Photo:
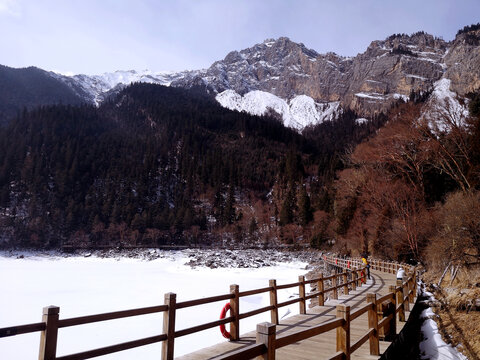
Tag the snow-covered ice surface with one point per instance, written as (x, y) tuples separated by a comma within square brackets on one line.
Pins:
[(299, 112), (433, 347), (90, 285)]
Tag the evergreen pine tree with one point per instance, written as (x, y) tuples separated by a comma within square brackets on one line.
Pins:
[(305, 212)]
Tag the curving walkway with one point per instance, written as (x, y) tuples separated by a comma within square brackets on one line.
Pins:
[(321, 346)]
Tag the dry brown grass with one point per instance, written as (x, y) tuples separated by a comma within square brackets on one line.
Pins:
[(458, 318), (459, 327)]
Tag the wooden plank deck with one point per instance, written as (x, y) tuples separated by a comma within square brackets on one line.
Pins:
[(321, 346)]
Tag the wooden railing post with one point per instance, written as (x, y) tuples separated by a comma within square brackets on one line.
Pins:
[(400, 295), (414, 281), (343, 332), (301, 292), (406, 290), (411, 296), (266, 334), (235, 311), (373, 324), (334, 285), (354, 278), (380, 313), (320, 288), (169, 326), (415, 284), (393, 321), (360, 277), (345, 282), (273, 301), (48, 337)]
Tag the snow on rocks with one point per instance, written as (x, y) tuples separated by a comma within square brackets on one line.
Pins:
[(299, 112), (249, 258), (433, 346), (443, 110)]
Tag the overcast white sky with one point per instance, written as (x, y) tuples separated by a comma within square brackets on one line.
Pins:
[(96, 36)]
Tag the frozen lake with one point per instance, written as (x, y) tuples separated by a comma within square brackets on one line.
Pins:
[(83, 286)]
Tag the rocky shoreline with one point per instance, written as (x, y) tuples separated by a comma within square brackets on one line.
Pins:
[(210, 258)]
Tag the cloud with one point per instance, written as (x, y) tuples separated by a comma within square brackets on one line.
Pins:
[(10, 8)]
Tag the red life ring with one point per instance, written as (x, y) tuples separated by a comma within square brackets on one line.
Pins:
[(223, 313), (348, 264), (336, 261)]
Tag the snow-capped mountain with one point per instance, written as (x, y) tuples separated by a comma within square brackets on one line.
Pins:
[(306, 87), (95, 88)]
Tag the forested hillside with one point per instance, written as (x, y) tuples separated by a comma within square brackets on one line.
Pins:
[(157, 165), (30, 87)]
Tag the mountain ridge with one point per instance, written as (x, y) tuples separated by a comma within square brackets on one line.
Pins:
[(369, 83)]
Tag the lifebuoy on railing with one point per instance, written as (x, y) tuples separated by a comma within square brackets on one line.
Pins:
[(223, 313)]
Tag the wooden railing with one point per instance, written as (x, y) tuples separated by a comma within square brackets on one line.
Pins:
[(353, 276), (382, 314)]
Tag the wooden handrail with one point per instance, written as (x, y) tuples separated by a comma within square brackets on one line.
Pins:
[(313, 295), (288, 302), (287, 286), (22, 329), (384, 298), (114, 348), (254, 291), (256, 312), (384, 321), (203, 301), (362, 340), (110, 316), (360, 311), (202, 327)]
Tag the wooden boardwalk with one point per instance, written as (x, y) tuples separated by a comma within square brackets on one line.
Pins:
[(321, 346)]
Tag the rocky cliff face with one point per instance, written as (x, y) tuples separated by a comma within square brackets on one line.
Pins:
[(463, 62), (392, 69), (368, 83)]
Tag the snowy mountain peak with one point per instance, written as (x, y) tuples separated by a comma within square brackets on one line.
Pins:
[(95, 88)]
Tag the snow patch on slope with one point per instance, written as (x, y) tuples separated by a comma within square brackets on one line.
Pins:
[(444, 112), (300, 112)]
